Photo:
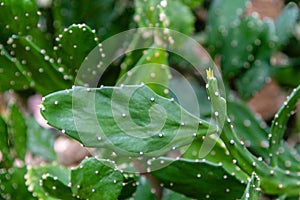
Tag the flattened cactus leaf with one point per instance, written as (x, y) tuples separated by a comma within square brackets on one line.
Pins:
[(148, 13), (143, 190), (171, 195), (152, 69), (94, 179), (130, 183), (265, 46), (164, 14), (254, 129), (36, 175), (199, 180), (108, 116), (56, 188), (11, 73), (40, 141), (221, 15), (74, 44), (249, 163), (192, 3), (39, 64), (286, 22), (249, 128), (288, 157), (17, 17), (184, 22), (245, 84), (13, 184), (287, 75), (239, 45), (18, 131), (4, 140), (252, 191), (219, 155)]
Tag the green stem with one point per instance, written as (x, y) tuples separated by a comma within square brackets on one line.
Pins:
[(273, 180), (279, 124)]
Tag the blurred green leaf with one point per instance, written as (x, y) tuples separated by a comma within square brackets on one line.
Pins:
[(184, 22), (154, 13), (238, 46), (221, 15), (107, 17), (18, 131), (287, 76), (40, 141), (286, 22), (4, 141), (245, 84), (13, 184), (193, 3)]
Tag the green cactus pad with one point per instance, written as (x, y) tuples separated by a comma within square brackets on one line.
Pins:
[(45, 73), (197, 179), (40, 140), (245, 84), (95, 180), (18, 131), (171, 195), (287, 75), (18, 17), (286, 22), (219, 155), (12, 74), (250, 129), (164, 14), (143, 190), (73, 45), (271, 178), (4, 141), (152, 69), (56, 188), (239, 44), (12, 184), (145, 122), (254, 132), (129, 184), (184, 23), (36, 175), (221, 16), (192, 3)]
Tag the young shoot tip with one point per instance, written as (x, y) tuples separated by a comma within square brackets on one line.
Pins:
[(210, 73)]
